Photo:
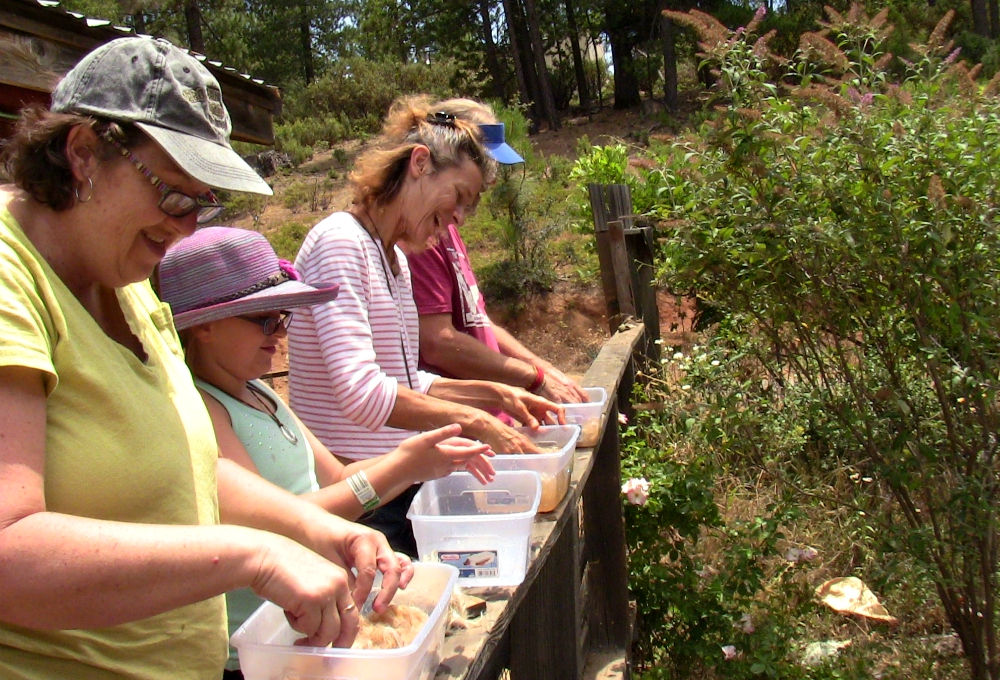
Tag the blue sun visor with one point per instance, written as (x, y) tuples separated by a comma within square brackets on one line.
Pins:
[(496, 145)]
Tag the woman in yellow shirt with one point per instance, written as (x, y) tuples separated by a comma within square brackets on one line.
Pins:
[(112, 556)]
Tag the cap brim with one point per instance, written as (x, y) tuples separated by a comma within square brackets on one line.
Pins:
[(503, 153), (215, 165), (288, 295)]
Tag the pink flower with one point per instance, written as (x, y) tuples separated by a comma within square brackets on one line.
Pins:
[(730, 653), (759, 14), (623, 419), (746, 624), (795, 555), (637, 490)]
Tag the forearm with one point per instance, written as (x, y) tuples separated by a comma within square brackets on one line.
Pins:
[(420, 412), (387, 475), (60, 571), (463, 356), (251, 501)]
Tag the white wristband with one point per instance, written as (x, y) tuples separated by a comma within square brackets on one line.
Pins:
[(363, 490)]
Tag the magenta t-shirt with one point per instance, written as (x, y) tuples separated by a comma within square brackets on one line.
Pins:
[(443, 283)]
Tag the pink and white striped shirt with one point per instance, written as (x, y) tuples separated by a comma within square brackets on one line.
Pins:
[(345, 357)]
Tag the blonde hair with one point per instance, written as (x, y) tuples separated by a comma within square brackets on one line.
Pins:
[(413, 121)]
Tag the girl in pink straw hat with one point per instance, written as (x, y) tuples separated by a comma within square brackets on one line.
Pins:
[(230, 295)]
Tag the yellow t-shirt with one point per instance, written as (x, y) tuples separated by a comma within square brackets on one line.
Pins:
[(125, 441)]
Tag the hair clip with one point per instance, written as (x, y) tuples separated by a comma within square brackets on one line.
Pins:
[(442, 118)]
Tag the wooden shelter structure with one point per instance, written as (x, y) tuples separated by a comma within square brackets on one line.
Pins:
[(40, 42)]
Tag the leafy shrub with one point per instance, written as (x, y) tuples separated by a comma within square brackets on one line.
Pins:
[(309, 193), (360, 91), (287, 239), (850, 233), (239, 203)]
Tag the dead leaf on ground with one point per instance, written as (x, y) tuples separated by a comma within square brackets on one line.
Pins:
[(849, 595)]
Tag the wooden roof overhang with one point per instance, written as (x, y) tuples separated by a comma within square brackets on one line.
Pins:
[(40, 42)]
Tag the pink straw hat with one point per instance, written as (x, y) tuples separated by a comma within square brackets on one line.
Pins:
[(221, 272)]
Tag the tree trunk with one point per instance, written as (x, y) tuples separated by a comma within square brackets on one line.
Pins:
[(305, 42), (544, 85), (509, 8), (626, 83), (994, 19), (598, 65), (669, 37), (581, 76), (980, 18), (192, 17), (492, 60)]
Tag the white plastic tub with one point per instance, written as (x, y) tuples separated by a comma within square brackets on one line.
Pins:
[(482, 530), (265, 641), (555, 468), (588, 415)]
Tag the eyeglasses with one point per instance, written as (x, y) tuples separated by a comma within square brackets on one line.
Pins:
[(271, 324), (173, 202)]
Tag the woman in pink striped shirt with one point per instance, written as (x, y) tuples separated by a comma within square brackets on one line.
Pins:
[(353, 369)]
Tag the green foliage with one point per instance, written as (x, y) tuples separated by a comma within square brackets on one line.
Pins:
[(239, 203), (357, 92), (287, 239), (704, 584), (311, 194), (850, 234)]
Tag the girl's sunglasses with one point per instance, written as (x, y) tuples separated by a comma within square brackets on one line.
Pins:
[(271, 324)]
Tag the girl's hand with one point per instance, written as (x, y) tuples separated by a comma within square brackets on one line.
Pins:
[(438, 453)]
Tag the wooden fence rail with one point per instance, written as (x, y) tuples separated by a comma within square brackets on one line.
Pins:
[(572, 609)]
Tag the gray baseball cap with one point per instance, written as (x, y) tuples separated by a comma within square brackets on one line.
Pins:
[(171, 97)]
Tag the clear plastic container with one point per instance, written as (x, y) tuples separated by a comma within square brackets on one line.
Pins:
[(554, 466), (484, 530), (588, 415), (265, 640)]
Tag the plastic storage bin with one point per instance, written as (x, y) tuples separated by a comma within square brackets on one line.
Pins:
[(265, 640), (482, 530), (555, 468), (588, 415)]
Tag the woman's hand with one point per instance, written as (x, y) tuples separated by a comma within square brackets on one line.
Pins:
[(560, 388), (365, 550), (315, 593), (437, 453), (528, 408)]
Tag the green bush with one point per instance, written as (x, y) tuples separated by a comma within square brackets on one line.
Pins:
[(848, 230), (360, 91), (287, 239), (850, 234)]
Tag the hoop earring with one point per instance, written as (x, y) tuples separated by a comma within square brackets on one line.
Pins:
[(76, 192)]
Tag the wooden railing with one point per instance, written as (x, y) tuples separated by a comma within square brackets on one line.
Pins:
[(570, 616)]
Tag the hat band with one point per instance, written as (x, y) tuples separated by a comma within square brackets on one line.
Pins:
[(270, 282)]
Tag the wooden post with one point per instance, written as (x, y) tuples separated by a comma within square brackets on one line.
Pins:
[(641, 244), (547, 624), (622, 272), (612, 204)]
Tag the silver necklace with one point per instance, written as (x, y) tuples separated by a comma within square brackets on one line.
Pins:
[(267, 407)]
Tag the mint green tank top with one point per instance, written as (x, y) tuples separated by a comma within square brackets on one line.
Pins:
[(291, 466)]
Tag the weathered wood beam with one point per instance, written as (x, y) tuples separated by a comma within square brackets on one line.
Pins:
[(38, 46)]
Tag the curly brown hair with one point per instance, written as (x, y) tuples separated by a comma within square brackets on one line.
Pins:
[(412, 121), (35, 157)]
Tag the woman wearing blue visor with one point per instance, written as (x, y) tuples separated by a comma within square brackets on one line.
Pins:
[(457, 337)]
